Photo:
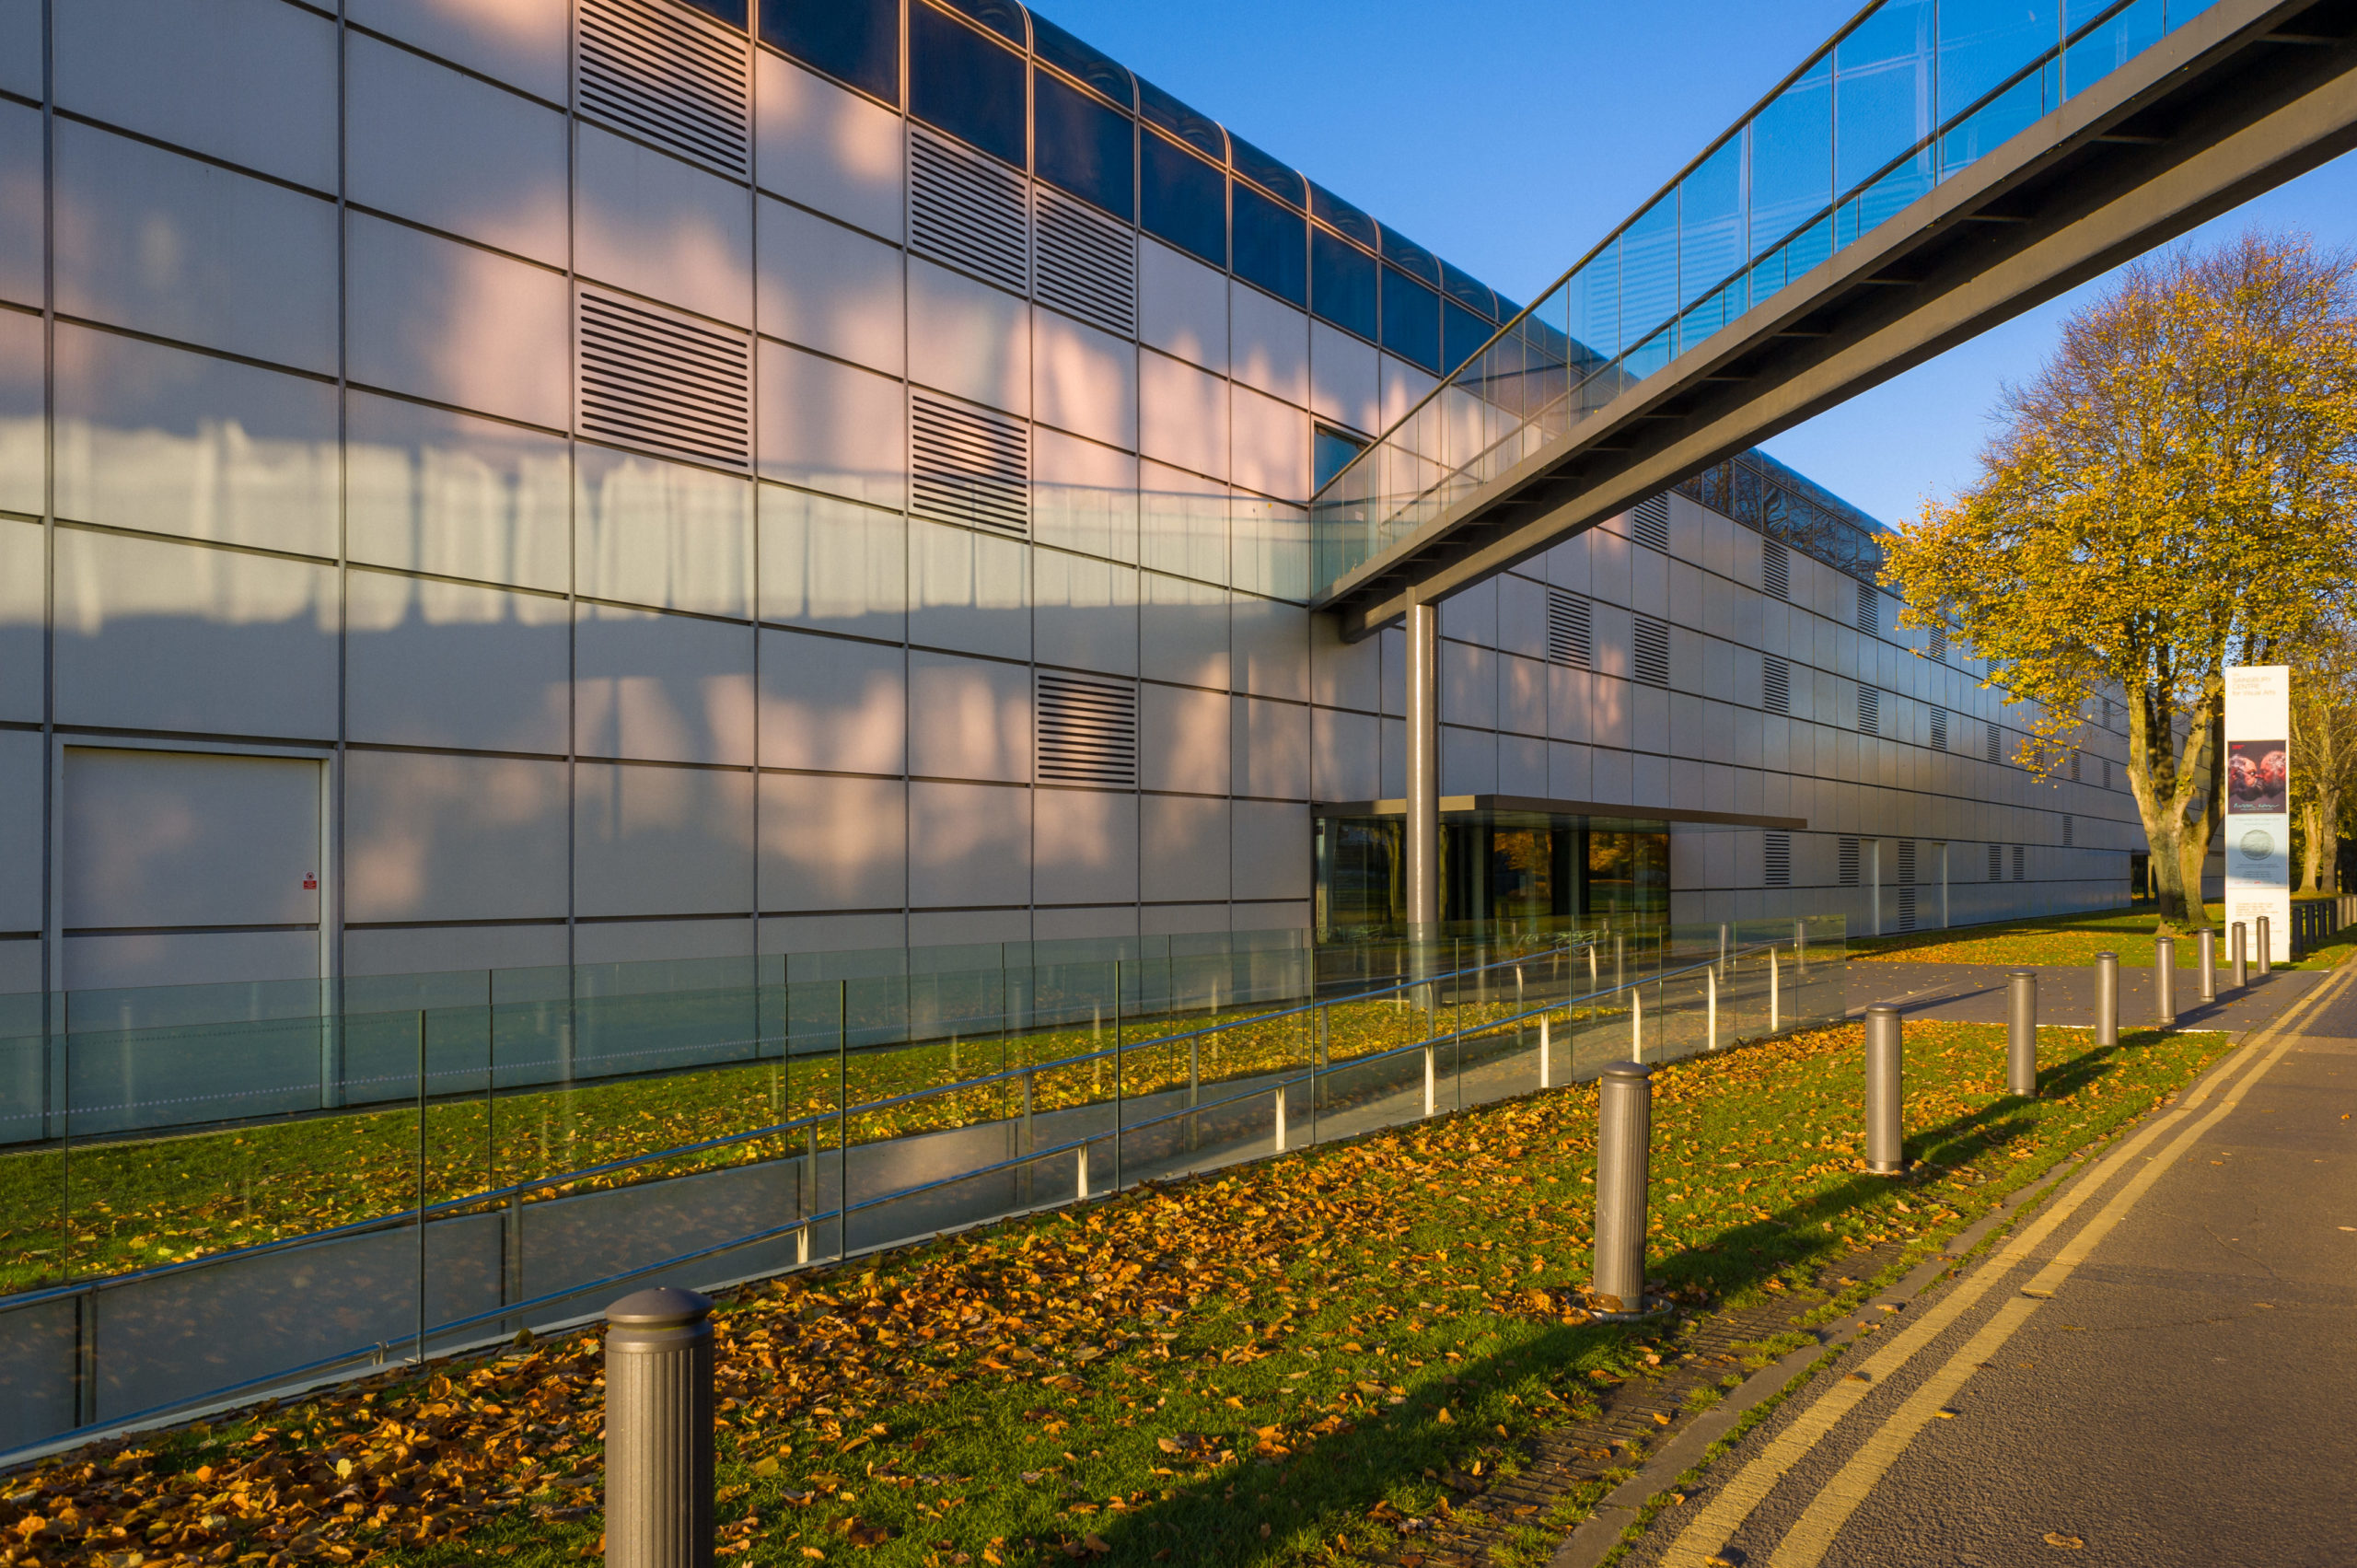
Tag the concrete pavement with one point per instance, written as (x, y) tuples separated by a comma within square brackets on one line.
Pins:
[(1975, 994), (2158, 1366)]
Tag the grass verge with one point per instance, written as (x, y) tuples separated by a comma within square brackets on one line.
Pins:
[(2070, 939), (1281, 1365)]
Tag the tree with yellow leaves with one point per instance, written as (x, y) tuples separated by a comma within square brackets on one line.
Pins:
[(2324, 752), (2174, 492)]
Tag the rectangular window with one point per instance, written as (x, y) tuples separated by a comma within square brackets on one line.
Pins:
[(856, 42), (1939, 729), (1848, 861), (965, 83), (1410, 257), (1197, 130), (1411, 321), (1267, 172), (1271, 245), (1331, 210), (1183, 199), (1462, 334), (1869, 710), (1082, 145), (1775, 685), (1341, 285), (1081, 61), (1471, 293), (730, 11), (1776, 860), (1650, 650), (1331, 452)]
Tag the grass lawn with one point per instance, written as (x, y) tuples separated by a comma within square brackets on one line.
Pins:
[(1278, 1364), (110, 1206), (2072, 939)]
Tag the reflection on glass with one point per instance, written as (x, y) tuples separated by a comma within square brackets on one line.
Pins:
[(1710, 208), (1882, 80), (1081, 145), (1183, 199), (1649, 270), (852, 41), (2108, 47), (1411, 320), (1985, 42), (1329, 449), (1079, 60), (1267, 172), (1527, 870), (1271, 245), (1341, 285), (963, 83)]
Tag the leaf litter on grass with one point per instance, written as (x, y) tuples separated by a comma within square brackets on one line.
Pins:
[(1251, 1367)]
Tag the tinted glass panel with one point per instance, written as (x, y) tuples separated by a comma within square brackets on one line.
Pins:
[(1002, 16), (1060, 49), (1186, 199), (1461, 333), (1411, 321), (1342, 284), (1404, 252), (730, 11), (965, 83), (852, 41), (1469, 292), (1271, 245), (1082, 144), (1329, 452), (1267, 172), (1197, 131), (1328, 208)]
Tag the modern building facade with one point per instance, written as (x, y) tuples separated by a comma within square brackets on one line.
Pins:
[(495, 482)]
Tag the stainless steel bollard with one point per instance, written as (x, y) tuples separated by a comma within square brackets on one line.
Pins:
[(2209, 965), (2107, 999), (2021, 1032), (1625, 1131), (2241, 946), (1885, 1092), (2266, 949), (658, 1431), (2165, 981)]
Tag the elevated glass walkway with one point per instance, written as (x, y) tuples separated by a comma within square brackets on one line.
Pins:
[(1907, 98)]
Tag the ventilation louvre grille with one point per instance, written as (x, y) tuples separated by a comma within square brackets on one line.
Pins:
[(1650, 651), (2078, 761), (1649, 524), (1939, 729), (2107, 772), (1996, 863), (2017, 863), (1906, 862), (1907, 908), (1869, 710), (1775, 570), (662, 72), (1775, 685), (1996, 744), (2070, 832), (1088, 731), (1869, 613), (1086, 265), (968, 467), (1776, 860), (967, 211), (1570, 634), (664, 383), (1940, 644), (1848, 861)]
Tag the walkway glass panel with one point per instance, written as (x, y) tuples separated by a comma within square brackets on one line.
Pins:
[(1907, 95)]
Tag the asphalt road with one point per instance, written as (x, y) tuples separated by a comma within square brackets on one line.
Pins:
[(2160, 1367)]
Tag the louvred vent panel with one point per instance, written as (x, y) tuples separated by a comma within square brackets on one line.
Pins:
[(1088, 730), (968, 211), (669, 74), (664, 382), (1085, 264), (969, 465)]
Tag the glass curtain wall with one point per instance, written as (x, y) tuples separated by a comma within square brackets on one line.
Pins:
[(1512, 869)]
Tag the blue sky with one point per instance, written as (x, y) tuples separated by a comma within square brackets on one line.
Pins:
[(1508, 135)]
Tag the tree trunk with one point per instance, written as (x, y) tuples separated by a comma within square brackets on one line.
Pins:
[(2311, 849), (2205, 754), (2153, 781)]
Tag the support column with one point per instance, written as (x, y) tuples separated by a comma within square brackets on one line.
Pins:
[(1423, 771)]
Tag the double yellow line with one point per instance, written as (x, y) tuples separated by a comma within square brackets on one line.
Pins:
[(1806, 1543)]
